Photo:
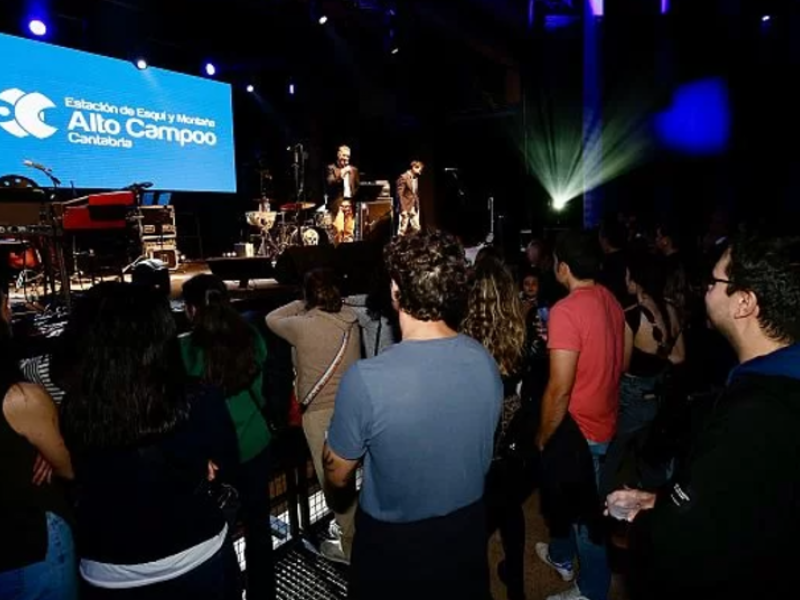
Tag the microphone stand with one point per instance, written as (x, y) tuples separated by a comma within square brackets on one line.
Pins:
[(301, 186), (56, 181), (490, 237), (56, 237), (299, 169)]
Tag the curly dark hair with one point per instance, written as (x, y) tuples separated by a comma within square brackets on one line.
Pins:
[(320, 290), (769, 267), (128, 385), (494, 315), (430, 271), (225, 339)]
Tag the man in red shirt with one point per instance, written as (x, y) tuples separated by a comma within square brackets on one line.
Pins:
[(586, 340)]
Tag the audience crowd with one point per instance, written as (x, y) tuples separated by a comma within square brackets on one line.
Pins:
[(593, 372)]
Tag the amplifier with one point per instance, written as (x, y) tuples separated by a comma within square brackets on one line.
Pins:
[(20, 213), (166, 252), (25, 230), (377, 211), (158, 220)]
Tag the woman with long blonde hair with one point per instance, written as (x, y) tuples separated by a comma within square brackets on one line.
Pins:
[(494, 317)]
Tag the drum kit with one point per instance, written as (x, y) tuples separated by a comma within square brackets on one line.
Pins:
[(293, 224)]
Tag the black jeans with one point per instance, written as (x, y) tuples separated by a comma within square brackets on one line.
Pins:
[(252, 481), (442, 557), (507, 485)]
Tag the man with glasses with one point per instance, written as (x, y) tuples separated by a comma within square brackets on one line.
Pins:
[(727, 525)]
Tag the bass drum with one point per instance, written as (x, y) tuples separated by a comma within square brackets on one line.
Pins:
[(314, 236)]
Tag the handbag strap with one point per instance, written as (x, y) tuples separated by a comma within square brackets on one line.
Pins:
[(378, 335), (315, 390)]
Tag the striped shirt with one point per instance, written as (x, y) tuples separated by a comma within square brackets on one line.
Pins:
[(37, 370)]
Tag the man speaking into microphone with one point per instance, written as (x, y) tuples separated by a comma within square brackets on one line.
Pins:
[(342, 185)]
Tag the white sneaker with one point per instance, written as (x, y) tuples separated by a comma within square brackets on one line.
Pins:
[(572, 593), (565, 570), (334, 531), (332, 550)]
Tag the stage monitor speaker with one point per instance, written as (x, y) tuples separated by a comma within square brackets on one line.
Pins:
[(296, 261), (378, 221), (242, 269), (358, 264), (355, 263)]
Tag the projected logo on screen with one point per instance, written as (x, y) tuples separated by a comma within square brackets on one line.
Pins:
[(90, 123), (101, 123), (27, 112)]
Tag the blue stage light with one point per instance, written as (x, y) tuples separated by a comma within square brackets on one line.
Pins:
[(37, 27), (699, 120)]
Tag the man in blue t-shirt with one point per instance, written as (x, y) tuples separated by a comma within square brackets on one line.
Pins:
[(422, 417)]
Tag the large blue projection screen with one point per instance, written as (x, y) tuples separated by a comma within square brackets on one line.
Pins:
[(102, 123)]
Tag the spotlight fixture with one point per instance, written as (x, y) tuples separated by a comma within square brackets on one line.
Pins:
[(291, 89), (37, 27), (559, 203), (765, 19), (395, 50), (211, 70), (251, 89), (323, 19), (141, 64)]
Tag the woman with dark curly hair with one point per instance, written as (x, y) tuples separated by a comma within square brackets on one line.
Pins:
[(494, 318)]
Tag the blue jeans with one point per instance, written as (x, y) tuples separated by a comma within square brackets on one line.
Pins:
[(594, 577), (638, 403), (54, 578), (638, 407)]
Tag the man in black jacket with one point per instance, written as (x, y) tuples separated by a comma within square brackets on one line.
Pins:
[(729, 522)]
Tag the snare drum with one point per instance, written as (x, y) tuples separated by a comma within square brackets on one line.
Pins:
[(323, 219)]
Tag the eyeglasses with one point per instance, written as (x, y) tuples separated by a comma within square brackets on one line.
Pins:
[(712, 281)]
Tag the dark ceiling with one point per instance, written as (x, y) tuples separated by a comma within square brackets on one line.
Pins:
[(247, 36), (454, 56)]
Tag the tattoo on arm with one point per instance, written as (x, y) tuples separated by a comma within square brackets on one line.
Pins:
[(329, 465), (328, 461)]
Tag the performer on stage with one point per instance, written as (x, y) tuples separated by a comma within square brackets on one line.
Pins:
[(408, 195), (342, 184)]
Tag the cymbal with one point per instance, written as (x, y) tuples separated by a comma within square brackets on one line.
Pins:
[(297, 206)]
